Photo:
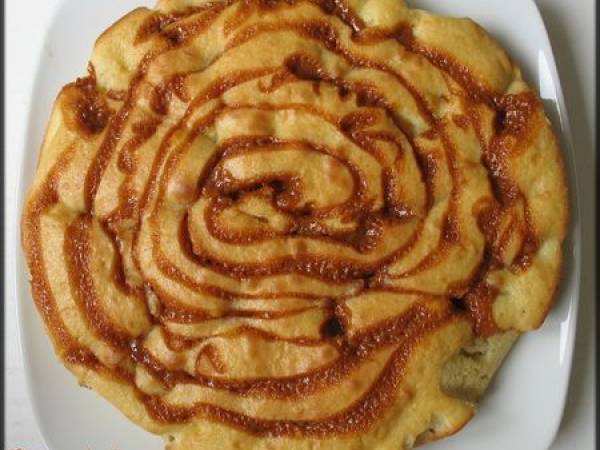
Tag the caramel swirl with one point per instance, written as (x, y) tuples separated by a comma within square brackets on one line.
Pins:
[(280, 209)]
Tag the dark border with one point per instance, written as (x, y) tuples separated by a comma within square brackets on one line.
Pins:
[(597, 203), (2, 214)]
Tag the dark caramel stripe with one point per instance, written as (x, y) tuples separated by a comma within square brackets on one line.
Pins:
[(31, 239), (155, 24), (77, 256), (475, 88), (116, 126), (337, 8), (325, 268), (358, 418), (325, 33), (354, 351)]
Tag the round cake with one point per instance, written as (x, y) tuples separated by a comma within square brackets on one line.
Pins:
[(293, 225)]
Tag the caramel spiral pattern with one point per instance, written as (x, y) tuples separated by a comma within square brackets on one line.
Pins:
[(266, 215)]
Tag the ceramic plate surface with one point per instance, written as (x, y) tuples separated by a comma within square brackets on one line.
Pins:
[(523, 408)]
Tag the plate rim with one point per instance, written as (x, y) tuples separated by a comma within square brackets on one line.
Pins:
[(570, 163)]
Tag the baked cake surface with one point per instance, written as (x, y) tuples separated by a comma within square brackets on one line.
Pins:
[(315, 224)]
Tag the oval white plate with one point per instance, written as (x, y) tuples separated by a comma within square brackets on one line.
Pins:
[(523, 408)]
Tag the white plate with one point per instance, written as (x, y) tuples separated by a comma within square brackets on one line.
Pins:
[(523, 408)]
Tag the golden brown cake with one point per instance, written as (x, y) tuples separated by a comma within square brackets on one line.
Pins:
[(293, 225)]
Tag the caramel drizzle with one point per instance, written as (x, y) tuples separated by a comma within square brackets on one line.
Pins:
[(77, 251), (403, 332), (360, 416), (353, 351)]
